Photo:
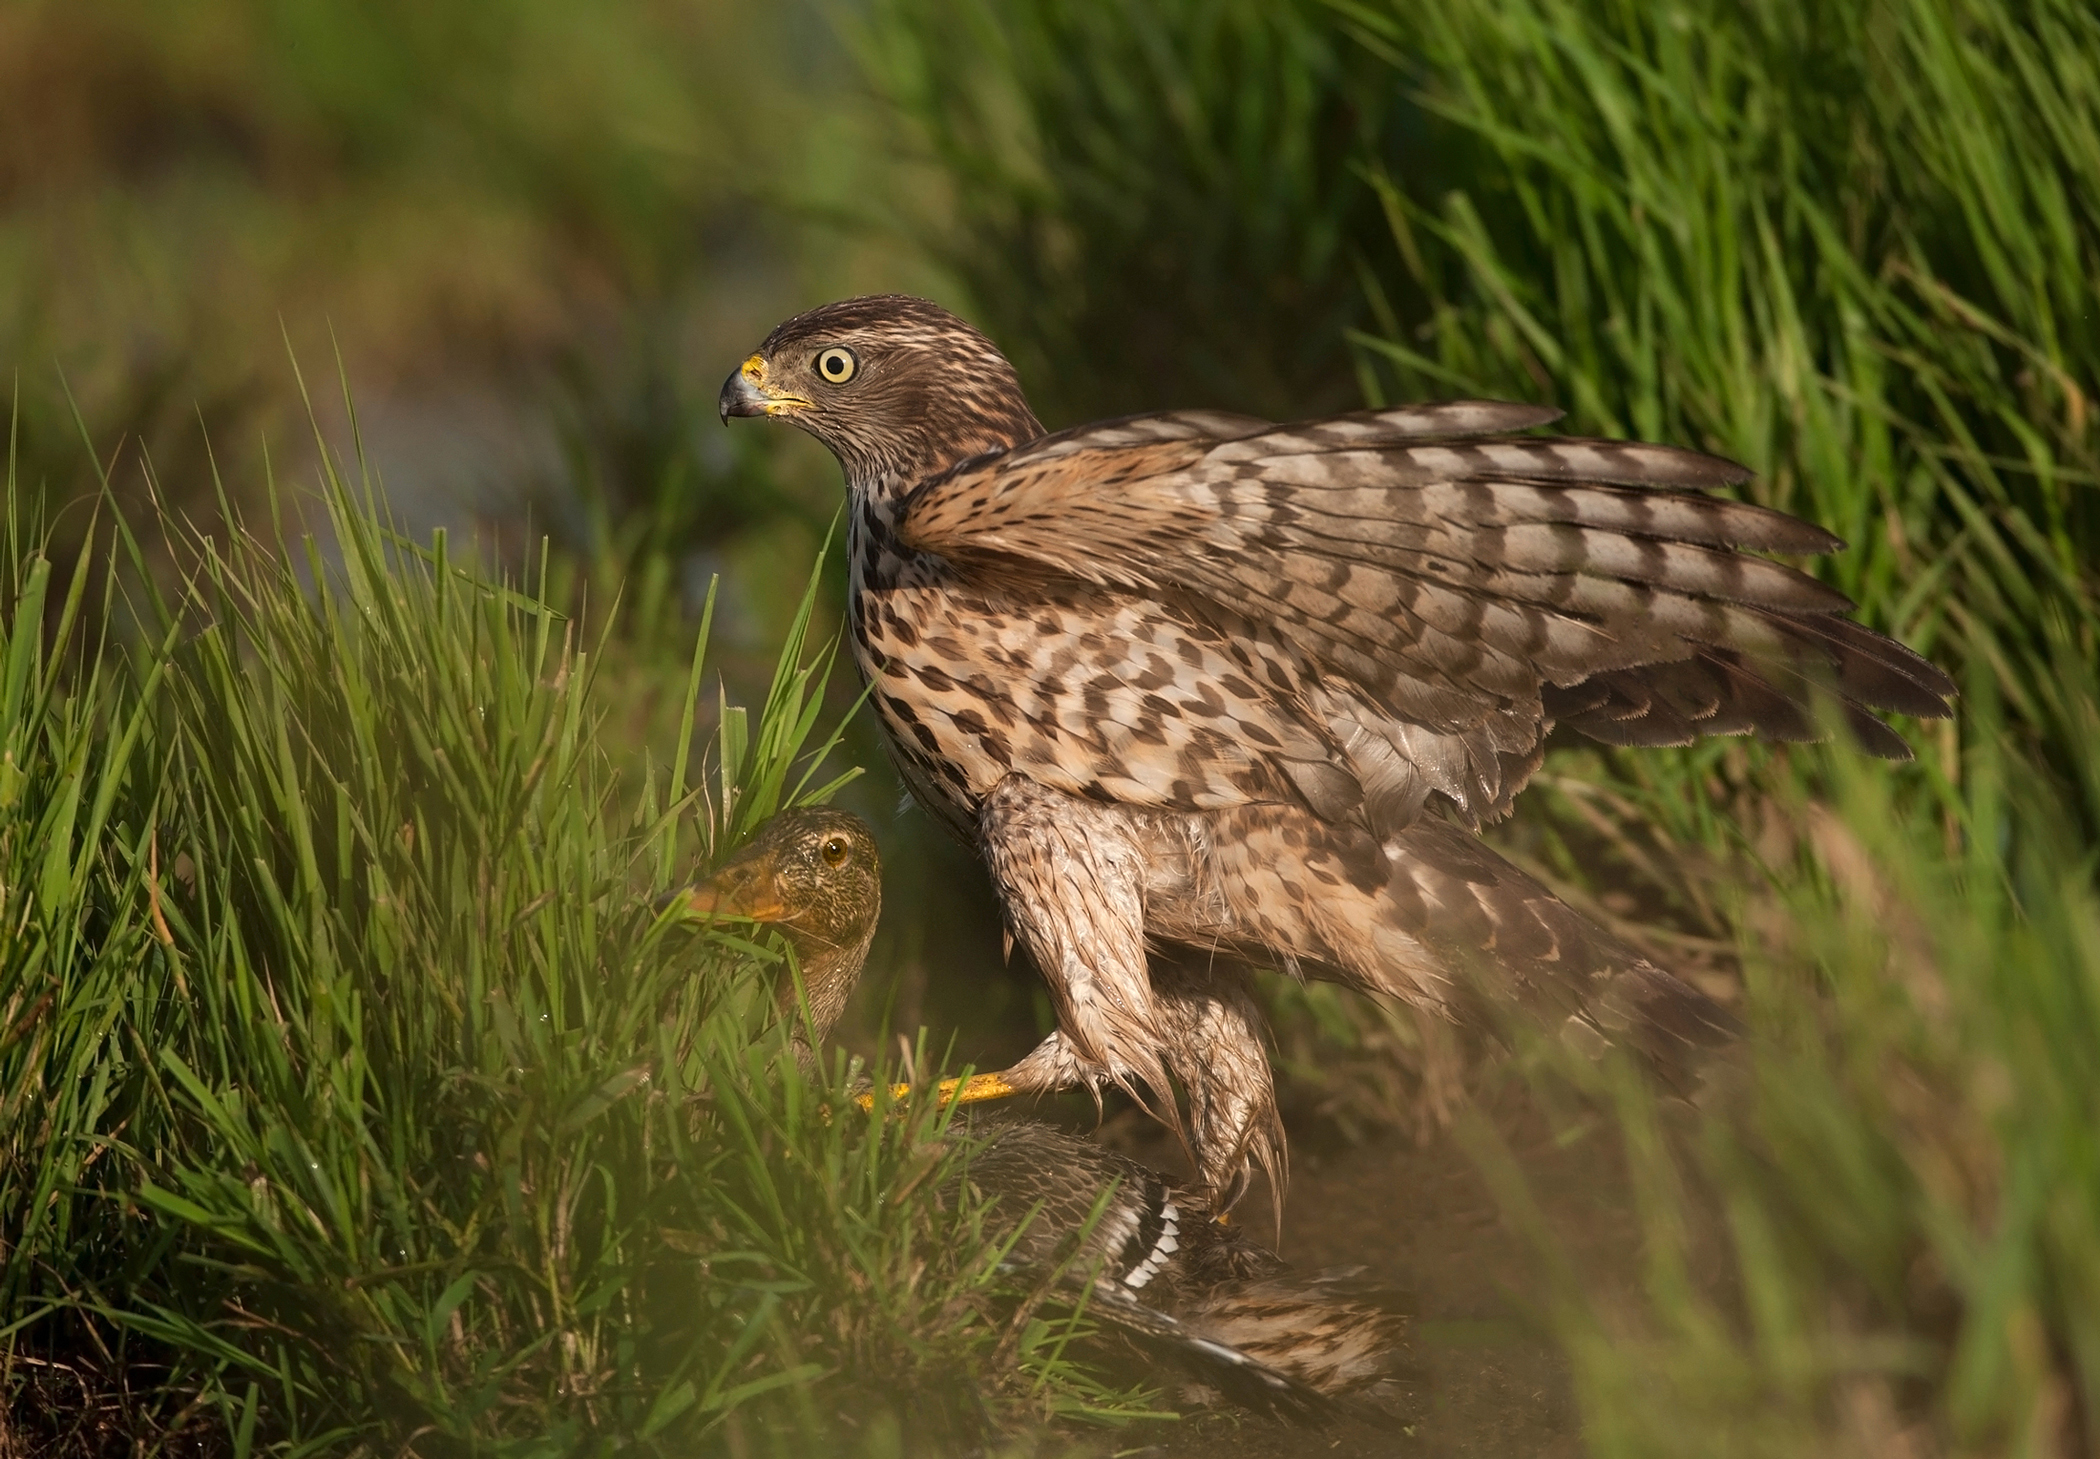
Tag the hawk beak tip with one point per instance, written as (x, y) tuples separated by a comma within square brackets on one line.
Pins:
[(740, 397)]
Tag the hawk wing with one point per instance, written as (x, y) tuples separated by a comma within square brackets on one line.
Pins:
[(1448, 590)]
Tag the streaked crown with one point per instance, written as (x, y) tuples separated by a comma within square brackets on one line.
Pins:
[(898, 388)]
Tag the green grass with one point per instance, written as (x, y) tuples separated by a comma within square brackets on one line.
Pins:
[(1883, 1232), (1768, 236), (358, 1099), (1172, 222)]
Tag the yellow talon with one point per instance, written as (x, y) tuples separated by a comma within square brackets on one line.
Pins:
[(979, 1087), (976, 1088)]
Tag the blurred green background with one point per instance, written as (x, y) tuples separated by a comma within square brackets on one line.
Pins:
[(1852, 245), (534, 236)]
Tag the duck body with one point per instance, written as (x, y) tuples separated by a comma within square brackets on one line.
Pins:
[(1185, 1286), (1141, 1250)]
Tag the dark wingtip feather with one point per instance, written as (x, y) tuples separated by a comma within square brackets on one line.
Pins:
[(1677, 1011), (1632, 463), (1872, 668), (1805, 539), (1876, 738)]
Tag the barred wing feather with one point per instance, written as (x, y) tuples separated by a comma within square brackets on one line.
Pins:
[(1438, 573)]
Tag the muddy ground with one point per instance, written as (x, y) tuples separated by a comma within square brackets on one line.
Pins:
[(1421, 1218)]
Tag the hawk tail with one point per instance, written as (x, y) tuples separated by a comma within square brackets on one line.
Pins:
[(1433, 916)]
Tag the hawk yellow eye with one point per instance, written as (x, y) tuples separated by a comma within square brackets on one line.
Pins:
[(833, 850), (837, 364)]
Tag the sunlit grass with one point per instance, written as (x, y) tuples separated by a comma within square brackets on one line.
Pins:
[(1879, 1230), (1762, 234), (359, 1097)]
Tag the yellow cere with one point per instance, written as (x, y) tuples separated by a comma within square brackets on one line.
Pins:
[(754, 370)]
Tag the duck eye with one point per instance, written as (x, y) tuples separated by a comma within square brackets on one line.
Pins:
[(833, 851), (837, 364)]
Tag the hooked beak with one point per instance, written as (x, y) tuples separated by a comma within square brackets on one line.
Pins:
[(743, 888), (745, 393)]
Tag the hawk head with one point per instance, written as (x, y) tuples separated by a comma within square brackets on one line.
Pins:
[(899, 389)]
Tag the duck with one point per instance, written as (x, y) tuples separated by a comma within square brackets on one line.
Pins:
[(1141, 1247)]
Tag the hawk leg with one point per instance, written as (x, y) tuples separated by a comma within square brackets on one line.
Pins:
[(1216, 1052), (1214, 1049), (1074, 878), (1071, 877)]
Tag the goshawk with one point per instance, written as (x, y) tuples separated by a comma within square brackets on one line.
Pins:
[(1207, 690)]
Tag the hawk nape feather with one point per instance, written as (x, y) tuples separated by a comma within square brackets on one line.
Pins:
[(1237, 692)]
